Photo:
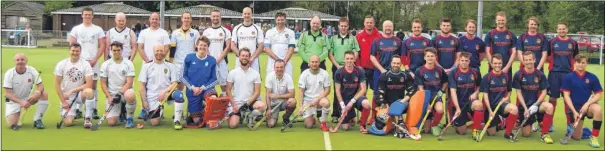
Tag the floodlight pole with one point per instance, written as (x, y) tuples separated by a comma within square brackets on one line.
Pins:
[(479, 18), (162, 14), (601, 54)]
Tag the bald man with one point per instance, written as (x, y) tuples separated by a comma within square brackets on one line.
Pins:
[(18, 84), (314, 85), (155, 79), (248, 35), (382, 51), (314, 42), (150, 37), (124, 35)]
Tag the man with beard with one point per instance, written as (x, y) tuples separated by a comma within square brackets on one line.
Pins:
[(414, 46), (243, 87), (220, 44), (365, 38)]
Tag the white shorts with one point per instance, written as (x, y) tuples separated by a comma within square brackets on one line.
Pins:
[(312, 110), (221, 73), (254, 66), (96, 72), (116, 109), (11, 108), (270, 63), (179, 69), (72, 110), (282, 107)]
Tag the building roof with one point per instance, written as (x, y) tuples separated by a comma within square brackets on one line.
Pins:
[(203, 11), (28, 6), (296, 13), (107, 9)]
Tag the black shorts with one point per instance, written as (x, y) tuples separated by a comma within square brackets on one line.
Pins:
[(466, 114), (578, 107), (499, 113), (369, 76), (352, 114), (156, 114), (532, 119)]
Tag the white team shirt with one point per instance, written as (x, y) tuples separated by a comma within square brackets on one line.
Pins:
[(313, 84), (184, 42), (279, 41), (218, 37), (74, 74), (21, 84), (157, 77), (279, 86), (88, 38), (150, 38), (243, 83), (247, 36), (116, 74), (123, 37)]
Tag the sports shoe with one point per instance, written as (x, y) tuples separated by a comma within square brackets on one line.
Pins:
[(78, 114), (435, 130), (535, 127), (129, 123), (87, 123), (324, 126), (251, 122), (546, 139), (509, 137), (177, 125), (594, 142), (334, 119), (142, 114), (362, 129), (475, 134), (95, 115), (38, 124), (15, 127)]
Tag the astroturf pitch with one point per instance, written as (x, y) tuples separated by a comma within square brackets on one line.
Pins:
[(165, 137)]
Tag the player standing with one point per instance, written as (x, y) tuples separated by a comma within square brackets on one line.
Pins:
[(314, 85), (312, 43), (279, 87), (501, 41), (472, 44), (199, 71), (341, 43), (350, 90), (365, 38), (117, 76), (92, 40), (156, 78), (383, 50), (148, 39), (18, 84), (73, 78), (433, 78), (124, 35), (279, 43), (220, 44), (243, 86), (447, 46), (414, 46), (464, 85), (496, 87), (248, 35), (530, 84), (534, 42)]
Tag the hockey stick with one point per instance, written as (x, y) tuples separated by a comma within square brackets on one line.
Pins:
[(340, 120), (449, 124), (403, 128), (22, 116), (429, 110), (148, 117), (516, 135), (96, 126), (283, 128), (265, 117), (565, 140), (491, 118), (69, 109)]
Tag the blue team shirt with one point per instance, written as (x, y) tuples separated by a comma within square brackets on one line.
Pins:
[(447, 47), (430, 79), (413, 49), (562, 53), (496, 86), (384, 49), (475, 46), (531, 84), (200, 72), (580, 87), (465, 83), (535, 43), (349, 82), (501, 42)]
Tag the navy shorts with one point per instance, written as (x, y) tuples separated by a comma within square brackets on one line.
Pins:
[(532, 119), (499, 113), (374, 84), (555, 79), (578, 107), (466, 114), (351, 113)]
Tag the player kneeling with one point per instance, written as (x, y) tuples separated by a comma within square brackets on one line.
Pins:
[(582, 90), (531, 85), (350, 87), (279, 87), (243, 87), (158, 79), (117, 75), (464, 83), (314, 85)]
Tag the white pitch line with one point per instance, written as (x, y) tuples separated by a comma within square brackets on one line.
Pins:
[(327, 141)]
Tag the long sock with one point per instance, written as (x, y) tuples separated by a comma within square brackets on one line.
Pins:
[(478, 118), (546, 123), (289, 111), (41, 109), (436, 119), (255, 113), (95, 99), (567, 116), (178, 111), (130, 109), (510, 122), (324, 114), (365, 113), (596, 127), (89, 107), (78, 106)]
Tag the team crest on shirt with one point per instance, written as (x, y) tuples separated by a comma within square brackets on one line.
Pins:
[(390, 79), (436, 75), (253, 33), (440, 42), (587, 81), (495, 36), (29, 80), (423, 43), (507, 36), (125, 36), (363, 40), (556, 45), (191, 34), (452, 42), (476, 47), (473, 77), (426, 76), (165, 70), (206, 64), (526, 41), (395, 43), (401, 79), (93, 36), (504, 81), (524, 80), (124, 72), (355, 79), (538, 41), (536, 79), (287, 35), (493, 82), (569, 46), (220, 35)]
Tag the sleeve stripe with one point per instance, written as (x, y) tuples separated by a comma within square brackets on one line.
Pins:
[(564, 90), (597, 92)]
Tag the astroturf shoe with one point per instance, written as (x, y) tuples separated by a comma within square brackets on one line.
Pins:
[(78, 114), (475, 134), (87, 123), (38, 124), (95, 115), (324, 126), (15, 127), (142, 114), (129, 123), (334, 119), (509, 137), (177, 125), (546, 139), (435, 130), (594, 142)]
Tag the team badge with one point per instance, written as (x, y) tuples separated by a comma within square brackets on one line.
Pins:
[(495, 36), (426, 76), (452, 42), (193, 63), (503, 81), (165, 70), (125, 36), (344, 79), (412, 44), (124, 72), (253, 33), (29, 80), (206, 64), (569, 46), (538, 41), (473, 77), (191, 34), (424, 43), (364, 40), (476, 47), (556, 45), (93, 37), (390, 79), (493, 82), (526, 41), (401, 79), (587, 81), (220, 34), (536, 79), (524, 80), (440, 42), (287, 35), (507, 36)]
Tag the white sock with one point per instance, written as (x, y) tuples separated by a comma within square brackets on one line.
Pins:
[(324, 114), (78, 106), (41, 109), (89, 106), (255, 113), (178, 111), (95, 99), (130, 109)]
